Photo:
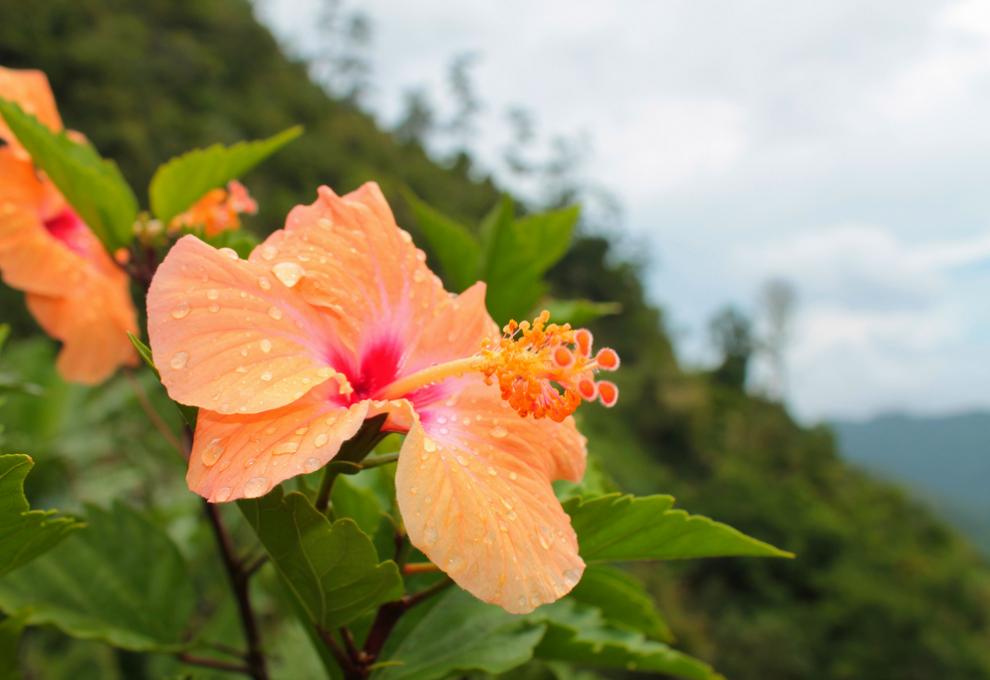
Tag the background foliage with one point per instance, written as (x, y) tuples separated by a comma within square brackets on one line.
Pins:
[(880, 589)]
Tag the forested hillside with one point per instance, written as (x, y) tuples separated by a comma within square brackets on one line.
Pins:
[(879, 589), (945, 459)]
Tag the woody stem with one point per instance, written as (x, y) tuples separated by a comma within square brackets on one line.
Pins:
[(430, 375)]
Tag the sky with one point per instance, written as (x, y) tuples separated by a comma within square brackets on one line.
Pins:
[(843, 146)]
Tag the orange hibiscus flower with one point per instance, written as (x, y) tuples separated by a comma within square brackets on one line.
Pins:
[(336, 319), (74, 290), (218, 210)]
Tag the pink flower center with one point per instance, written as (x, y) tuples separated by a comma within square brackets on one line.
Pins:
[(68, 229)]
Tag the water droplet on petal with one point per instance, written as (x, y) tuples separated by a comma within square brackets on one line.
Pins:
[(429, 445), (213, 294), (181, 311), (419, 276), (275, 313), (266, 345), (462, 460), (302, 430), (222, 494), (264, 283), (179, 360), (498, 432), (284, 448), (431, 535), (311, 465), (214, 308), (513, 476), (453, 563), (211, 454), (266, 376), (571, 577), (321, 440), (521, 601), (288, 273), (492, 471), (324, 222), (268, 252), (256, 486)]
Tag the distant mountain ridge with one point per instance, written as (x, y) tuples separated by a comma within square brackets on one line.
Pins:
[(945, 459)]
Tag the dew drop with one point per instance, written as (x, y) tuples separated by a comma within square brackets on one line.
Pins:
[(284, 448), (405, 235), (179, 360), (513, 476), (311, 465), (413, 490), (275, 313), (214, 308), (521, 601), (288, 273), (268, 252), (241, 369), (498, 432), (256, 486), (571, 577), (181, 311), (264, 283), (431, 535), (419, 276), (321, 440), (213, 294), (266, 376), (324, 222), (453, 563), (211, 454), (302, 430), (222, 494), (462, 460), (492, 471), (429, 445), (266, 345)]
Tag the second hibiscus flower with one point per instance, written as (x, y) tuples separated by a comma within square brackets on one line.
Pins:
[(335, 319)]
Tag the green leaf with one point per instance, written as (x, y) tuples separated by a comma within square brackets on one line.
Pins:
[(622, 600), (518, 253), (618, 527), (25, 533), (579, 634), (93, 186), (360, 505), (120, 580), (10, 637), (457, 251), (143, 351), (185, 179), (579, 312), (333, 570), (461, 634)]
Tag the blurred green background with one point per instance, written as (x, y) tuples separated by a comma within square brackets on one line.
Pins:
[(881, 588)]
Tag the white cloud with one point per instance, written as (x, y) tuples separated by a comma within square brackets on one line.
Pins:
[(732, 132)]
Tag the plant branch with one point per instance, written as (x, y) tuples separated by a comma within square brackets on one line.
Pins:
[(389, 615), (239, 582), (152, 414), (214, 664)]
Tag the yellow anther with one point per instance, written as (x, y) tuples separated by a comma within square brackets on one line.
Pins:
[(545, 369)]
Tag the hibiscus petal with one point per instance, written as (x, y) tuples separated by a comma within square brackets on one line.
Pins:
[(30, 259), (348, 256), (244, 456), (228, 336), (474, 487), (457, 328), (29, 89)]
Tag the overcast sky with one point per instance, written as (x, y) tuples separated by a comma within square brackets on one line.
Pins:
[(842, 145)]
